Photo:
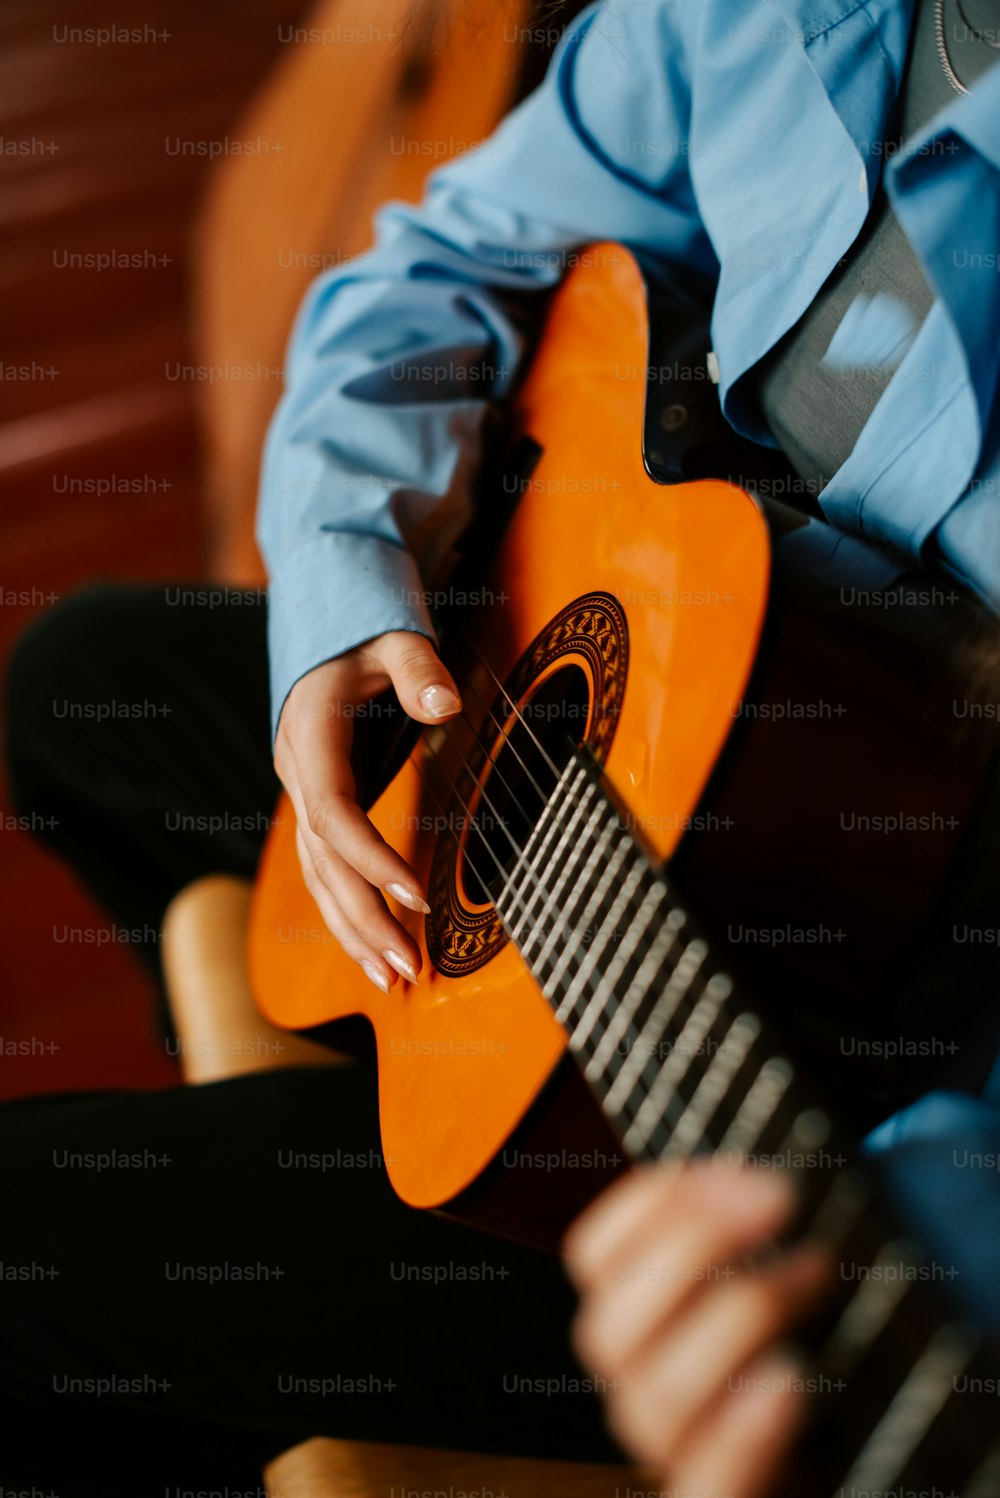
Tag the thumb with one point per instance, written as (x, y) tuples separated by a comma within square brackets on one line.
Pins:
[(425, 689)]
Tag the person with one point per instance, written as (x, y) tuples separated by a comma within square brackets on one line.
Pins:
[(689, 1318), (824, 175), (197, 1279)]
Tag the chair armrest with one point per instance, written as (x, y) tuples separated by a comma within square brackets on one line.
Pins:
[(220, 1031), (323, 1468)]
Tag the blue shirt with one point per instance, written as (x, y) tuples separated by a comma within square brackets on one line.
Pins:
[(743, 144), (740, 142)]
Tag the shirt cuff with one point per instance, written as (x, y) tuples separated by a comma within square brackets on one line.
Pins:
[(332, 594)]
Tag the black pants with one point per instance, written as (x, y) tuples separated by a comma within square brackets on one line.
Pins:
[(137, 723), (192, 1295)]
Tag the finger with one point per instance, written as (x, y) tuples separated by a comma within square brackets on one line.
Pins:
[(743, 1441), (426, 691), (650, 1201), (598, 1233), (313, 762), (675, 1379), (364, 911), (321, 787), (375, 968), (321, 708), (670, 1257)]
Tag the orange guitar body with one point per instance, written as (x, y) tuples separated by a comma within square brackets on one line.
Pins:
[(682, 572)]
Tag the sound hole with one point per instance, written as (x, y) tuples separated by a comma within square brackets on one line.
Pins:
[(550, 726)]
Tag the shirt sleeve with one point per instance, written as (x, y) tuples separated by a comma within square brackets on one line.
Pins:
[(939, 1161), (370, 458)]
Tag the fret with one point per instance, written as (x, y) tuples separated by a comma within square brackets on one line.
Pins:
[(545, 829), (540, 887), (661, 949), (693, 1123), (872, 1305), (605, 990), (582, 860), (568, 829), (826, 1205), (809, 1131), (596, 949), (763, 1098), (593, 904), (916, 1405), (661, 1094), (985, 1481), (688, 965), (841, 1208), (551, 824)]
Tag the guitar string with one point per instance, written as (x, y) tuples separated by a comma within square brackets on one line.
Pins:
[(518, 850), (507, 881), (469, 640), (591, 991), (703, 1133), (543, 798), (495, 764), (593, 980), (507, 884), (638, 1093)]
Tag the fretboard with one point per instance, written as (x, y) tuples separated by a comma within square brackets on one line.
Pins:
[(682, 1064)]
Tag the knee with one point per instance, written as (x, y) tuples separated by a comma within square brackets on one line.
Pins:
[(59, 659)]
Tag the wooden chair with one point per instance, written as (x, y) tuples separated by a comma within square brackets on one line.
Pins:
[(219, 1030), (362, 1469)]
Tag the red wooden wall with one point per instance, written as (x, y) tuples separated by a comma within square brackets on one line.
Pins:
[(91, 168)]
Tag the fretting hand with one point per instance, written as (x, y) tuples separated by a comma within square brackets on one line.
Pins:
[(683, 1326)]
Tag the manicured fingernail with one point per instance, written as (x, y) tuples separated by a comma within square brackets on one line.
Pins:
[(407, 897), (376, 975), (440, 702), (396, 960)]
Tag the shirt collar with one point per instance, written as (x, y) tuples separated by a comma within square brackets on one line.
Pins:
[(977, 118), (858, 50), (856, 63), (946, 168), (889, 19)]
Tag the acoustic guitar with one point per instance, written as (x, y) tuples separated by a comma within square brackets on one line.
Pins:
[(665, 692)]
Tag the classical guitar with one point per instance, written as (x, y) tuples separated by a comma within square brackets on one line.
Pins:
[(657, 699)]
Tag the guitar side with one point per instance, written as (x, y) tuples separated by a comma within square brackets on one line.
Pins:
[(462, 1054)]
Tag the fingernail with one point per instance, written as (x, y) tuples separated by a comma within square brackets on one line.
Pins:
[(396, 960), (440, 702), (376, 975), (407, 897)]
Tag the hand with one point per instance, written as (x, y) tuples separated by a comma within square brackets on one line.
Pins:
[(679, 1321), (345, 862)]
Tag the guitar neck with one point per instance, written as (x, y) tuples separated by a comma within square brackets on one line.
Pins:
[(681, 1064)]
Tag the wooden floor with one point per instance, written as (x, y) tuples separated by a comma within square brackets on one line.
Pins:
[(104, 146)]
